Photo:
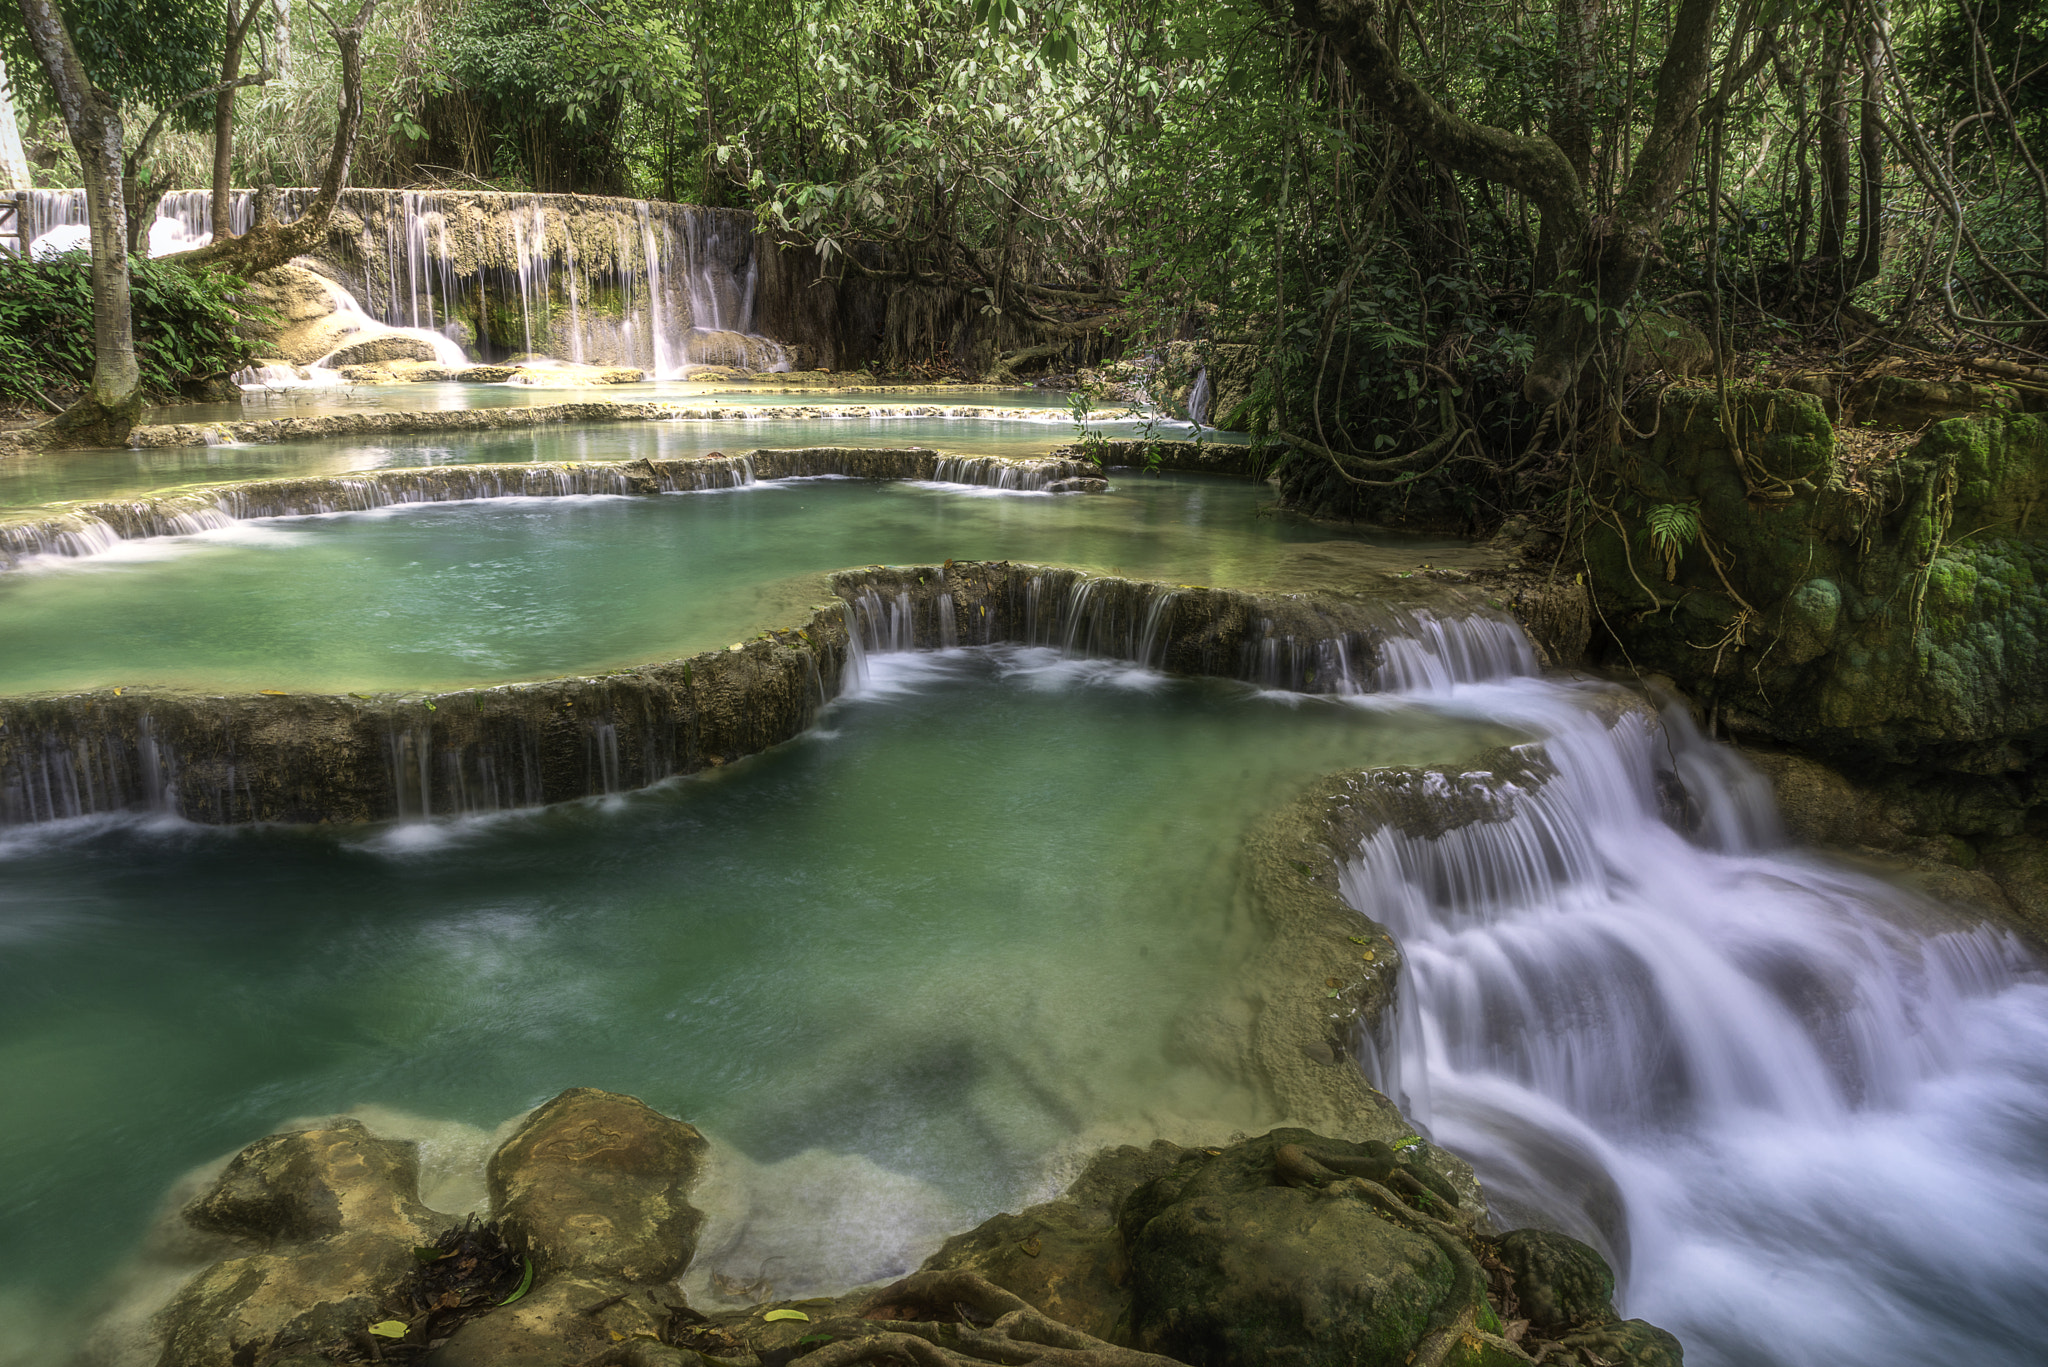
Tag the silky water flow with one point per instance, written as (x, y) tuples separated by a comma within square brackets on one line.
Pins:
[(1800, 1109)]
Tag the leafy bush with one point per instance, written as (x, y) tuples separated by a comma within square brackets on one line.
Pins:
[(185, 328)]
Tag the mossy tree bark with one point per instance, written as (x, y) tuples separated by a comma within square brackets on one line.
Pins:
[(1596, 260), (111, 403)]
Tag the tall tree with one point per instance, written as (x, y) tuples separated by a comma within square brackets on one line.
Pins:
[(92, 118)]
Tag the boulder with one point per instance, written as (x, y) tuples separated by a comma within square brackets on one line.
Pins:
[(240, 1310), (597, 1183), (309, 1184), (1624, 1343), (1229, 1266), (736, 350), (387, 347), (1659, 341), (1558, 1282), (336, 1213)]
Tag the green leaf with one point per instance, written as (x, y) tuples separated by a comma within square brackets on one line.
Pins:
[(787, 1314), (389, 1329), (1406, 1141), (525, 1285)]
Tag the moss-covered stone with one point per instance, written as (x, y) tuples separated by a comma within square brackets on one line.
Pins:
[(1231, 1267)]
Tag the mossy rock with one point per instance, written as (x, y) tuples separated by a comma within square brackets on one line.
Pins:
[(1229, 1267)]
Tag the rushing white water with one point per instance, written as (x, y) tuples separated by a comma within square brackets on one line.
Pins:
[(1803, 1111)]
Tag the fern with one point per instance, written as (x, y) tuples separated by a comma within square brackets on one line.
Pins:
[(1672, 528)]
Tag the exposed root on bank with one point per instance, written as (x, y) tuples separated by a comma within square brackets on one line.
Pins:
[(1374, 1178)]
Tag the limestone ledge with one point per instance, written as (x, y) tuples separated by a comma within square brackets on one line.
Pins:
[(270, 431), (308, 757)]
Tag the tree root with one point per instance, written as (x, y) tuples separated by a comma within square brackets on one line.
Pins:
[(1366, 1177), (1015, 1333)]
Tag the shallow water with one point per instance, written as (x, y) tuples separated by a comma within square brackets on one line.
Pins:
[(440, 595), (902, 961), (29, 481)]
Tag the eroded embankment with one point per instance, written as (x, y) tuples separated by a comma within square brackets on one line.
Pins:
[(86, 528), (224, 758)]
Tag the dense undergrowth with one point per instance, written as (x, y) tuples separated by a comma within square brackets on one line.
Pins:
[(186, 330)]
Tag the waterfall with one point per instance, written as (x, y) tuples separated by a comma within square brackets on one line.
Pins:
[(1789, 1101), (1198, 399), (613, 282)]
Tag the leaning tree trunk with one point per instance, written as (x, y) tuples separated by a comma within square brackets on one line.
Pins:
[(269, 243), (113, 400)]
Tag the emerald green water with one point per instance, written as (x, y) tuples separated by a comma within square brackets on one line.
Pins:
[(29, 481), (441, 595), (891, 968)]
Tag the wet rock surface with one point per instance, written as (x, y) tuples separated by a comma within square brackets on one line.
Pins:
[(599, 1183), (334, 1214), (1230, 1266), (1066, 1256), (1875, 602), (308, 1184)]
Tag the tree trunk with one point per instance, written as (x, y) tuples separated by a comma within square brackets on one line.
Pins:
[(1870, 163), (269, 243), (113, 400), (224, 125), (1571, 118), (1835, 190)]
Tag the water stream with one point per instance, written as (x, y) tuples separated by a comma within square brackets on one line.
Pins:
[(901, 966), (612, 281), (1804, 1112)]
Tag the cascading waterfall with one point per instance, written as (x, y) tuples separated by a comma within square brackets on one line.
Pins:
[(1198, 399), (615, 282), (1126, 620), (1800, 1110)]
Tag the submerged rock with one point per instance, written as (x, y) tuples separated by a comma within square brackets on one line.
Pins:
[(598, 1183), (567, 1320), (242, 1310)]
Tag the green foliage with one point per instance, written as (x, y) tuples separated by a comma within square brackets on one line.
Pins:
[(146, 52), (185, 327), (1671, 528)]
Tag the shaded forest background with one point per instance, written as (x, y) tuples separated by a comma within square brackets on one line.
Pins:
[(1440, 245)]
